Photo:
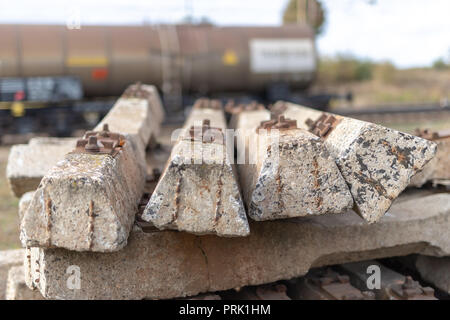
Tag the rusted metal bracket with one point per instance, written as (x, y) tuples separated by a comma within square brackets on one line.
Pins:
[(100, 142), (412, 290), (205, 103), (330, 285), (205, 133), (233, 108), (278, 122), (323, 125)]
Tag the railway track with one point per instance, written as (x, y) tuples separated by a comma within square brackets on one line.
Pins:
[(398, 114), (341, 282)]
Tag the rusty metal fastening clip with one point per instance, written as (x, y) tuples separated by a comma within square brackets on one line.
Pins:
[(102, 142), (412, 289), (206, 133), (278, 122), (323, 125)]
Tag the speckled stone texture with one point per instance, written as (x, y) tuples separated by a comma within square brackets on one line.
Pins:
[(438, 169), (17, 289), (376, 162), (8, 259), (435, 270), (198, 192), (291, 175), (28, 163), (166, 264)]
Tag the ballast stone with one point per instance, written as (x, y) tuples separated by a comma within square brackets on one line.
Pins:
[(275, 250), (376, 162), (102, 192)]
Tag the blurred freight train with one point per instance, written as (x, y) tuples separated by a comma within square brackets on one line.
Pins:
[(54, 77)]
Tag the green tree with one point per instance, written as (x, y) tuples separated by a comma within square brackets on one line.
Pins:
[(305, 11), (439, 64)]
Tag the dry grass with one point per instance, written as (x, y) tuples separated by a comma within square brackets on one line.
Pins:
[(9, 221), (388, 85)]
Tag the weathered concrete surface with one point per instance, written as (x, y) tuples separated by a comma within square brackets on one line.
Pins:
[(137, 115), (166, 264), (103, 193), (287, 173), (28, 163), (435, 270), (24, 203), (16, 287), (438, 169), (8, 259), (198, 191), (376, 162)]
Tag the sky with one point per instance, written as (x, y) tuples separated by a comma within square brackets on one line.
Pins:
[(408, 33)]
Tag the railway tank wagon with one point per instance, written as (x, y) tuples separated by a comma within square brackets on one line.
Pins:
[(194, 58)]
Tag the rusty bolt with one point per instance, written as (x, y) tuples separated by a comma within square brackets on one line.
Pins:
[(105, 131), (92, 145)]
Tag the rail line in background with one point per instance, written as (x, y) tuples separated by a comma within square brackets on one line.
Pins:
[(384, 114), (396, 113)]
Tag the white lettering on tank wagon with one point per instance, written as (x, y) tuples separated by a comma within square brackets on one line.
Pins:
[(282, 55)]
